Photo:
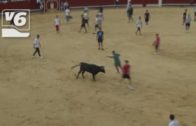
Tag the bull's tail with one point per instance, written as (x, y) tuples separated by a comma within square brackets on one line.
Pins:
[(74, 66)]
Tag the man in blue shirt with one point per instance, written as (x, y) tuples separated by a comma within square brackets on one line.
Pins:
[(100, 35)]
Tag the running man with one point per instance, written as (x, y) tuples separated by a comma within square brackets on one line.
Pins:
[(117, 62), (139, 25), (100, 35), (126, 70), (57, 23), (156, 43), (146, 17), (173, 122), (37, 46)]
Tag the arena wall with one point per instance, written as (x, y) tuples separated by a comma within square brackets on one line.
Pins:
[(107, 2), (31, 4)]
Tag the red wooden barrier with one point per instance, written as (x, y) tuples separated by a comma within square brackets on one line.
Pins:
[(31, 4), (178, 1)]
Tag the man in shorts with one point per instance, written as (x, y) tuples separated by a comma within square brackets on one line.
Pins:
[(139, 25), (126, 73), (100, 35), (156, 43), (117, 62), (57, 23)]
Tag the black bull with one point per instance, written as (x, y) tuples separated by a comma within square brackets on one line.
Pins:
[(91, 68)]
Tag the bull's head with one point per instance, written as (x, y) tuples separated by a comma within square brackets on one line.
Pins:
[(102, 69)]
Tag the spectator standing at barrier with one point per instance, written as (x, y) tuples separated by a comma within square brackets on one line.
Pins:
[(129, 11), (139, 25), (57, 23), (117, 3), (128, 1), (173, 121), (184, 16), (156, 42), (65, 5), (117, 62), (37, 46), (100, 37), (188, 22), (146, 17), (101, 9)]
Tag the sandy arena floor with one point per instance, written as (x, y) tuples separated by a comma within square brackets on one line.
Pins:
[(44, 92)]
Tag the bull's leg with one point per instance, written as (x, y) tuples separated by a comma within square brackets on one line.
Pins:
[(94, 77), (78, 74), (83, 74)]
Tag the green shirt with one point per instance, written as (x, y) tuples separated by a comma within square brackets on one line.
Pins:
[(116, 57)]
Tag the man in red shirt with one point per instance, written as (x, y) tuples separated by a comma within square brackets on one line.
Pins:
[(126, 73), (156, 43)]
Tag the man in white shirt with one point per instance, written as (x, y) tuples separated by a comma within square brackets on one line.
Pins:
[(188, 22), (173, 122), (57, 23), (67, 14), (37, 45), (130, 11), (139, 25), (86, 18)]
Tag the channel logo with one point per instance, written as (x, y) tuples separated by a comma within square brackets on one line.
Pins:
[(15, 23)]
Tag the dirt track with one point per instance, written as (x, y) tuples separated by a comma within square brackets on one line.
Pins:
[(44, 92)]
